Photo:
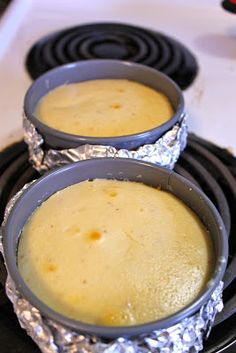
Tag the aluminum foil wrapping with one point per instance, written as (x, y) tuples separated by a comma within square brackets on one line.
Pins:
[(51, 337), (165, 151)]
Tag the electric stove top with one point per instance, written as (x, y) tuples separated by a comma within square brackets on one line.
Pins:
[(193, 42), (204, 28)]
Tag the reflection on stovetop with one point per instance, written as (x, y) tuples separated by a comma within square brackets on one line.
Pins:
[(211, 168)]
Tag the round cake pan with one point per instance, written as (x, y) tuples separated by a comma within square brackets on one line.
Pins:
[(120, 169), (102, 69)]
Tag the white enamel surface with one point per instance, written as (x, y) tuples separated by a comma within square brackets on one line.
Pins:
[(203, 26)]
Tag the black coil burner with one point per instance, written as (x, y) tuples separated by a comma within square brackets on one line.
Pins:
[(211, 168), (113, 41)]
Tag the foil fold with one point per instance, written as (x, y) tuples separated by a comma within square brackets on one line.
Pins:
[(184, 337), (164, 152), (51, 337)]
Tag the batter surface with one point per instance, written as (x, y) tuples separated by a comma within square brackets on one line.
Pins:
[(104, 108), (115, 253)]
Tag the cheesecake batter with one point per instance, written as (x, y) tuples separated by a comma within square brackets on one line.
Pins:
[(104, 108), (115, 253)]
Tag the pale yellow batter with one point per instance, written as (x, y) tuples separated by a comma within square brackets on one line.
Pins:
[(104, 108), (115, 253)]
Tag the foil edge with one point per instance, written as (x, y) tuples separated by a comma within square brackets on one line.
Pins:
[(164, 152), (52, 337)]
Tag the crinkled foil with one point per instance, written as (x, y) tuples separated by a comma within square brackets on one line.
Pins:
[(185, 337), (165, 151), (51, 337)]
